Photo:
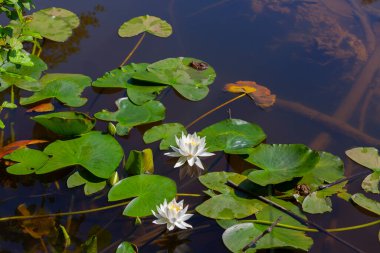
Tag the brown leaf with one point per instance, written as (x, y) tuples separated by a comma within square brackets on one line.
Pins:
[(46, 107), (260, 94), (37, 228), (11, 147)]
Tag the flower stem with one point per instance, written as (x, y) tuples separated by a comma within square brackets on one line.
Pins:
[(215, 109), (133, 50), (189, 195), (265, 222)]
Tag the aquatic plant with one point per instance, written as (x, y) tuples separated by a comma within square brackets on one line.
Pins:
[(261, 206)]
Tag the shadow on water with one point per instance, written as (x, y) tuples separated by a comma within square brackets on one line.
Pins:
[(322, 59)]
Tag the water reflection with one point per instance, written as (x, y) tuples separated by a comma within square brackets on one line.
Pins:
[(55, 52)]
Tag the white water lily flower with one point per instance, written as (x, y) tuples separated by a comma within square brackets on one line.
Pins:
[(190, 148), (173, 215)]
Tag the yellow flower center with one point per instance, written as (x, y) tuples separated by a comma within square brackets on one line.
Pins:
[(175, 207)]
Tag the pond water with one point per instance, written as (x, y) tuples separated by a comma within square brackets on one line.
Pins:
[(321, 58)]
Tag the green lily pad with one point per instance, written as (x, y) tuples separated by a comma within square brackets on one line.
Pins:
[(179, 73), (24, 77), (66, 123), (328, 169), (166, 133), (367, 157), (129, 115), (150, 24), (226, 206), (126, 247), (371, 182), (140, 162), (67, 88), (29, 160), (100, 154), (366, 203), (91, 183), (233, 136), (217, 181), (280, 162), (55, 24), (150, 191), (239, 236)]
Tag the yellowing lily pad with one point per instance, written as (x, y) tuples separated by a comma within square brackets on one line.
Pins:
[(150, 24)]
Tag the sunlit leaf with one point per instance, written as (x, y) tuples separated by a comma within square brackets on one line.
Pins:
[(138, 92), (66, 123), (129, 115), (217, 180), (55, 24), (371, 182), (140, 162), (126, 247), (366, 203), (45, 107), (232, 136), (260, 94), (166, 133), (225, 206), (67, 88), (368, 157), (150, 24), (28, 161), (99, 153), (24, 77), (150, 191), (11, 147), (91, 184), (191, 83), (280, 162)]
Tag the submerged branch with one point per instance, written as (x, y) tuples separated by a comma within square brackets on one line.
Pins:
[(266, 231), (331, 122)]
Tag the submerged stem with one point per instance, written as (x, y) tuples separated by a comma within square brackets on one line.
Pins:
[(103, 208), (215, 109), (265, 222), (133, 50)]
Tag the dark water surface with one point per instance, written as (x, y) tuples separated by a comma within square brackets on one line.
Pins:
[(322, 54)]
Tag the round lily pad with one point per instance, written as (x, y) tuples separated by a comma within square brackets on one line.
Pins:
[(150, 24)]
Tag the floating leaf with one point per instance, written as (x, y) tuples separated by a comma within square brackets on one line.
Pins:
[(66, 123), (150, 24), (166, 133), (280, 162), (371, 182), (11, 147), (65, 87), (367, 157), (179, 73), (217, 180), (149, 190), (126, 247), (100, 154), (233, 136), (328, 169), (239, 236), (55, 24), (140, 162), (366, 203), (91, 245), (29, 160), (260, 94), (225, 206), (91, 183), (45, 107), (129, 115), (138, 92), (24, 77)]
